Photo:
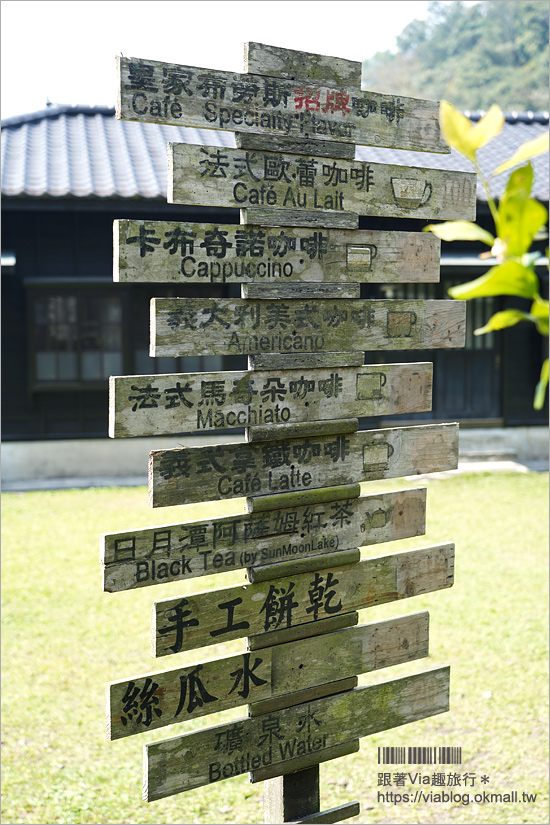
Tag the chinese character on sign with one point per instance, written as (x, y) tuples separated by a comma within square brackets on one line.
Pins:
[(277, 315), (230, 625), (215, 243), (176, 81), (307, 99), (146, 399), (314, 246), (278, 607), (214, 164), (321, 597), (244, 92), (273, 390), (230, 739), (182, 239), (180, 623), (176, 396), (212, 392), (211, 86), (363, 107), (161, 543), (274, 93), (246, 675), (281, 244), (140, 704), (275, 454), (341, 513), (312, 521), (145, 238), (338, 449), (335, 174), (336, 102), (306, 171), (249, 242), (306, 720), (141, 78), (271, 726), (198, 695)]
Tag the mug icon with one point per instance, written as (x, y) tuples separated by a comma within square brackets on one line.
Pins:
[(369, 386), (376, 457), (400, 324), (411, 193)]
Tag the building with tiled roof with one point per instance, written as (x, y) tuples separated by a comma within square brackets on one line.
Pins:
[(69, 172)]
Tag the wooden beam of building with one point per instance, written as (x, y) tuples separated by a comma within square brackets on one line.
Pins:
[(238, 326), (202, 619), (154, 700), (214, 176), (141, 405), (195, 253), (167, 93), (186, 550), (203, 757), (192, 474)]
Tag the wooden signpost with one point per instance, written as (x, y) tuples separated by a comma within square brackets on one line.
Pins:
[(300, 259)]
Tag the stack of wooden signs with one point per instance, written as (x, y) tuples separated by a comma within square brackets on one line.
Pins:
[(301, 259)]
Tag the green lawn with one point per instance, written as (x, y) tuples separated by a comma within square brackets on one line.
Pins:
[(63, 639)]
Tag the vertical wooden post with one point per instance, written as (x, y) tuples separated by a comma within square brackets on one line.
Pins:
[(292, 796)]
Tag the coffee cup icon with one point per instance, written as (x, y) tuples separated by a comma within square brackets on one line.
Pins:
[(411, 193), (400, 324), (376, 457), (369, 386)]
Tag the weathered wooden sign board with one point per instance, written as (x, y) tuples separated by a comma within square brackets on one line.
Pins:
[(173, 552), (168, 93), (301, 321), (194, 759), (154, 700), (190, 474), (156, 404), (214, 176), (219, 253), (233, 326), (215, 616)]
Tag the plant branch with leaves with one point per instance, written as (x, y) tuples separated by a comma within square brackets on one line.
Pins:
[(519, 220)]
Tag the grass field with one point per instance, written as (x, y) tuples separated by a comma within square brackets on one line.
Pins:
[(63, 638)]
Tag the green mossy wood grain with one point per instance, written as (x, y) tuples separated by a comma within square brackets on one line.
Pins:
[(153, 92), (201, 619), (192, 474), (185, 550), (237, 326), (195, 759), (212, 686), (203, 253), (214, 176), (141, 405)]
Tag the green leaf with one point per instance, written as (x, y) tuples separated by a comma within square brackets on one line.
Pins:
[(456, 128), (540, 389), (500, 320), (519, 216), (539, 313), (460, 231), (460, 132), (530, 149), (509, 278)]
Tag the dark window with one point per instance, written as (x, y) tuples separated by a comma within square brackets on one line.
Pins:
[(77, 337)]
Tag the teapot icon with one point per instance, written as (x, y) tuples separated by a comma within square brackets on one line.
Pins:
[(379, 518)]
